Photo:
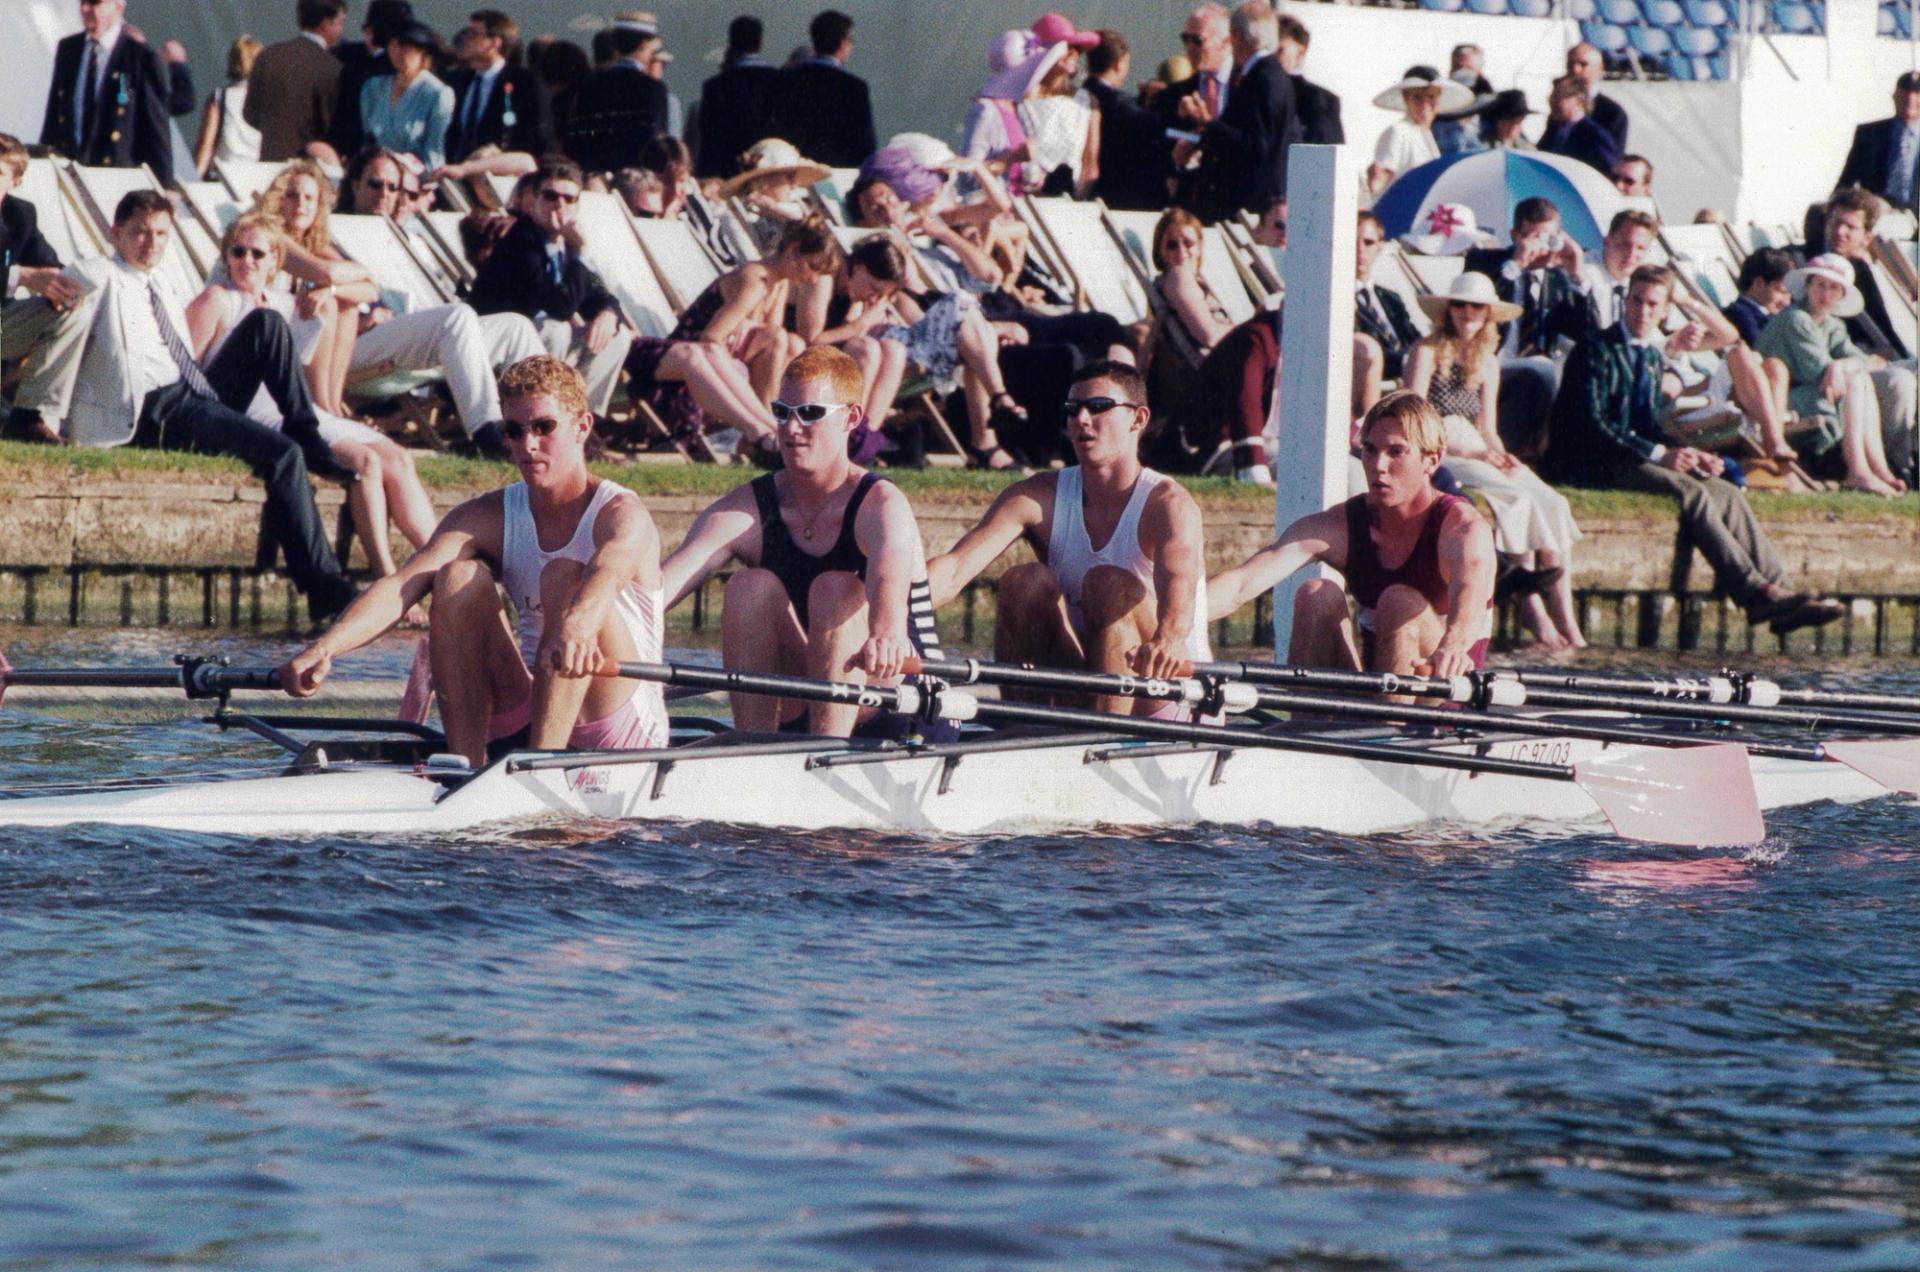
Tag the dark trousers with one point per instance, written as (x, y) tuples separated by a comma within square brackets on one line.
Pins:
[(1527, 386), (1232, 392), (259, 353), (1719, 521)]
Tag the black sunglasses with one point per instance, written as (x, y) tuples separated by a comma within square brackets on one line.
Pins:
[(1187, 38), (559, 196), (1094, 405), (384, 187), (515, 431), (808, 413), (239, 253)]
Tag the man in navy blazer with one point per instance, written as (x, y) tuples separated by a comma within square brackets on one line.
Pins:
[(1243, 150), (1572, 132), (28, 326), (736, 106), (497, 102), (824, 109), (621, 108), (1586, 64), (108, 105), (1885, 155), (1318, 108), (1133, 144)]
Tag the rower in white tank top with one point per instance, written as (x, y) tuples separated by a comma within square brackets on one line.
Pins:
[(1070, 553), (522, 562)]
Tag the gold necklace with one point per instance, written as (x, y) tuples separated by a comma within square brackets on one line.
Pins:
[(806, 529)]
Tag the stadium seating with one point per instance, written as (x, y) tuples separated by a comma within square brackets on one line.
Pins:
[(1896, 20)]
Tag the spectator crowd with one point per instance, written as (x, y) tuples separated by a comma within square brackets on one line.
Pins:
[(1547, 362)]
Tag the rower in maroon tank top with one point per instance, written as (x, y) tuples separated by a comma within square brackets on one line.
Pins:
[(1419, 564)]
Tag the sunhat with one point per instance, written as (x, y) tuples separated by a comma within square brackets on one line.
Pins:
[(1473, 289), (418, 34), (1468, 78), (1453, 97), (1449, 229), (1057, 28), (927, 150), (1508, 103), (768, 157), (895, 166), (1834, 268), (1016, 63)]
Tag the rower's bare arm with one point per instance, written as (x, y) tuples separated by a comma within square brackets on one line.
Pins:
[(1172, 533), (713, 541), (375, 611), (626, 546), (1017, 508), (1319, 536), (888, 534), (1468, 564)]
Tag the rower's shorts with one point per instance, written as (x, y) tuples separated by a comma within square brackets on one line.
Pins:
[(637, 725)]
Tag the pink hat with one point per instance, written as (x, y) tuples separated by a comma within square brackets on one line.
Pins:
[(1055, 28), (1018, 61)]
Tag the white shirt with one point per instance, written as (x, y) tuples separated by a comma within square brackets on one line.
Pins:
[(1609, 294), (310, 35), (153, 367), (107, 42), (1404, 146)]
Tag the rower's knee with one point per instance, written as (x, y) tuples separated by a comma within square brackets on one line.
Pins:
[(461, 588), (1399, 606), (1319, 601), (1108, 595), (832, 599), (1025, 590), (753, 596)]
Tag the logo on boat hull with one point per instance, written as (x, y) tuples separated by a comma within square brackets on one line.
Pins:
[(1541, 751)]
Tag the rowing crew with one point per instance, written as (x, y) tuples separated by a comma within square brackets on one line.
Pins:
[(833, 580)]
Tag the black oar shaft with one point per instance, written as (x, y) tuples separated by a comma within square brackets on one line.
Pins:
[(969, 671), (200, 680), (1700, 689)]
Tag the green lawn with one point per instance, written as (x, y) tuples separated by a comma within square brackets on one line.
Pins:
[(20, 461)]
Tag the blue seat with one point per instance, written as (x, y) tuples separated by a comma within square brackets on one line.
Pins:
[(1717, 66), (1650, 41), (1697, 41), (1709, 13), (1889, 25), (1443, 6), (1664, 13), (1793, 17), (1494, 8), (1608, 38), (1581, 10), (1622, 13), (1533, 8)]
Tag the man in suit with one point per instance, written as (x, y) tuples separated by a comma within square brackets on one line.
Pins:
[(294, 84), (27, 326), (535, 270), (1572, 132), (824, 109), (736, 104), (138, 383), (1541, 272), (1133, 145), (498, 102), (1317, 108), (1607, 433), (1586, 64), (1885, 155), (359, 63), (1206, 39), (1384, 330), (108, 105), (1243, 147), (621, 108)]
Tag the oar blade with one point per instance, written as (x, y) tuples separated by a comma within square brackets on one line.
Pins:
[(1701, 796), (1892, 762)]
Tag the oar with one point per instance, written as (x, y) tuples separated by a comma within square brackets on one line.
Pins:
[(197, 677), (1728, 686), (1701, 796)]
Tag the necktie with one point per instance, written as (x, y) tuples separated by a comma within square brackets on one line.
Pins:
[(554, 268), (1372, 311), (1619, 304), (1210, 93), (1645, 389), (1900, 170), (83, 109), (177, 348), (476, 95)]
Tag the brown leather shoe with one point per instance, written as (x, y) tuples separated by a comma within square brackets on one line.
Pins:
[(1816, 611)]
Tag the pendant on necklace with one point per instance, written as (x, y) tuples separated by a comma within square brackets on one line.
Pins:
[(807, 533)]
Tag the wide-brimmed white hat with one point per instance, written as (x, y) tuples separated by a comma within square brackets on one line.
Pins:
[(768, 157), (1835, 268), (1472, 289), (1448, 229), (927, 150), (1017, 61), (1453, 96)]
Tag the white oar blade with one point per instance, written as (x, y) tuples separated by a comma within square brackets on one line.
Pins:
[(1892, 762), (1701, 796)]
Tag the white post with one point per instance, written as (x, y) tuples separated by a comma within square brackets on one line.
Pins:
[(1312, 409)]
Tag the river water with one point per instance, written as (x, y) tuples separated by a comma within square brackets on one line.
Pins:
[(700, 1046)]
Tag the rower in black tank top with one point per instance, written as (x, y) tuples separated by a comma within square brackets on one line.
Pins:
[(797, 570)]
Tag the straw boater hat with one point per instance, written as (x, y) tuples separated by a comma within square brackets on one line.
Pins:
[(1453, 97), (1474, 289), (1449, 229), (770, 157), (1016, 62), (1834, 268)]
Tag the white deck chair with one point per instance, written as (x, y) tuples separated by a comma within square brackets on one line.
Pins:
[(378, 244), (248, 179), (682, 265), (1134, 232), (830, 193), (1223, 276), (1390, 271), (1092, 258), (1435, 274), (1900, 310), (1251, 259), (445, 230), (69, 230), (101, 190), (1704, 255)]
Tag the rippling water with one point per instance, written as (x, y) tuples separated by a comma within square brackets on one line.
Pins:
[(698, 1046)]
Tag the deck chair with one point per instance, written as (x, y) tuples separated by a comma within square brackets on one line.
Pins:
[(681, 264), (1435, 274), (378, 244), (1133, 230), (100, 191), (1091, 257), (829, 194), (1390, 270), (1223, 276), (1255, 266), (722, 232), (69, 229), (1706, 257), (444, 227), (1900, 308), (1902, 261), (248, 179)]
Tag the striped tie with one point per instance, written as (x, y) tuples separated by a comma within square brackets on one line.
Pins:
[(182, 356)]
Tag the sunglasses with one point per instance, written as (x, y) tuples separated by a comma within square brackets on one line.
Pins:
[(1187, 38), (559, 196), (1072, 407), (384, 187), (808, 413), (1465, 304), (1371, 242), (239, 253), (515, 431)]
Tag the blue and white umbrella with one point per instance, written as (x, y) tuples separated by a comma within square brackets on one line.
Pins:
[(1491, 182)]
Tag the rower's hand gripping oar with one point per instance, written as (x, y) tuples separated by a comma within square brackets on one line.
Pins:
[(1701, 796), (198, 677)]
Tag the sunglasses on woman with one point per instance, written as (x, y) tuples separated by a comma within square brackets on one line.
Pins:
[(239, 253), (515, 431), (808, 413)]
